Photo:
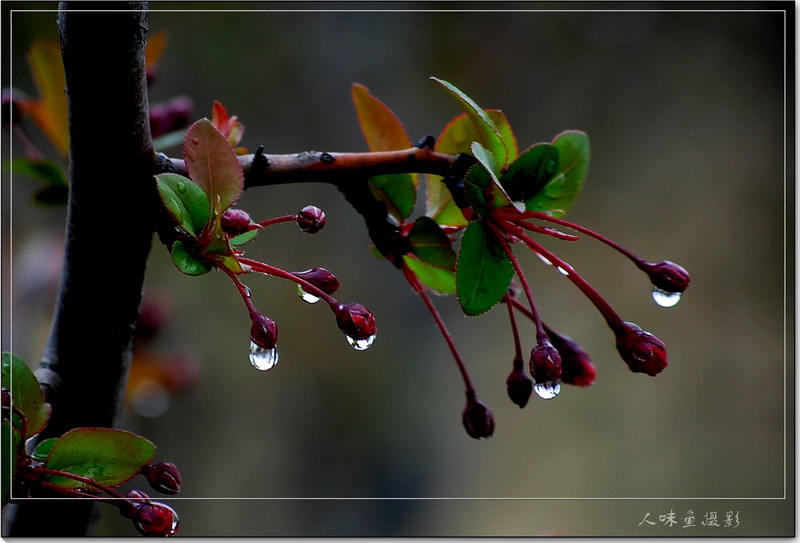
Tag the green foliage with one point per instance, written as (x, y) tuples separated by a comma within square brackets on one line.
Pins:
[(484, 271), (55, 189), (108, 456), (25, 394), (185, 201)]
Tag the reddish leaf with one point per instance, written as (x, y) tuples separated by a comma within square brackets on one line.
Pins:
[(212, 163), (230, 127)]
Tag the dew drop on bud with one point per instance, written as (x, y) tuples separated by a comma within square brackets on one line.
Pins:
[(360, 344), (664, 298), (263, 359), (305, 296), (547, 391)]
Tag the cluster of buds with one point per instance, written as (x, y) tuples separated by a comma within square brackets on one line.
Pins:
[(313, 285), (155, 519)]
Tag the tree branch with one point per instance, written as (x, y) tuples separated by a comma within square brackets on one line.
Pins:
[(110, 221)]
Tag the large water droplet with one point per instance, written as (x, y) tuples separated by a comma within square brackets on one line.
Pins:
[(666, 299), (308, 298), (181, 186), (263, 359), (547, 391), (361, 344)]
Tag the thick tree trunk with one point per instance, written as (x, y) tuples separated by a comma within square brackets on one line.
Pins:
[(109, 229)]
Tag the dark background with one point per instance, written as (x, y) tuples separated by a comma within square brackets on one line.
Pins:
[(686, 112)]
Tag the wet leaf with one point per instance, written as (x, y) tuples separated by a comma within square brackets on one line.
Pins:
[(530, 172), (383, 131), (42, 450), (560, 192), (431, 245), (499, 197), (483, 271), (438, 279), (186, 262), (487, 132), (212, 163), (186, 202), (108, 456), (25, 393)]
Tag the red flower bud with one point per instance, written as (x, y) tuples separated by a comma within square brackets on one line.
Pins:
[(642, 351), (311, 219), (155, 519), (136, 498), (169, 116), (668, 276), (264, 332), (477, 418), (519, 387), (164, 477), (576, 367), (545, 363), (358, 324), (235, 221), (320, 278)]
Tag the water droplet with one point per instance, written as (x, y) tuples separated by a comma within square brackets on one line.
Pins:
[(189, 154), (181, 186), (196, 141), (543, 259), (247, 290), (263, 359), (666, 299), (361, 344), (547, 391), (307, 297), (562, 271)]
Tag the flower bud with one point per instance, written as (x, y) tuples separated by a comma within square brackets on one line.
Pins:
[(155, 519), (135, 499), (668, 276), (264, 332), (477, 418), (311, 219), (357, 323), (519, 387), (642, 351), (576, 366), (164, 477), (169, 116), (545, 363), (320, 278), (235, 221)]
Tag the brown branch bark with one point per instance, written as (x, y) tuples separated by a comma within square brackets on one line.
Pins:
[(110, 221)]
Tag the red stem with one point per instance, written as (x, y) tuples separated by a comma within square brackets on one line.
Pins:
[(266, 269), (517, 344), (276, 220), (244, 292)]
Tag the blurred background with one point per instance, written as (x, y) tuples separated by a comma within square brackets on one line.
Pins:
[(686, 116)]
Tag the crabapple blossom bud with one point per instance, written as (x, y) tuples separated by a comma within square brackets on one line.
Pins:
[(264, 332), (320, 278), (668, 276), (642, 351), (135, 499), (311, 219), (545, 363), (519, 387), (235, 221), (576, 366), (155, 519), (169, 116), (356, 321), (164, 477), (477, 418)]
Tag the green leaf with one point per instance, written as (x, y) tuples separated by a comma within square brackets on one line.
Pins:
[(42, 450), (478, 185), (56, 189), (438, 279), (488, 133), (25, 393), (108, 456), (186, 202), (457, 137), (483, 271), (499, 197), (212, 163), (169, 140), (10, 443), (186, 262), (561, 191), (383, 131), (431, 245), (241, 239), (531, 171)]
